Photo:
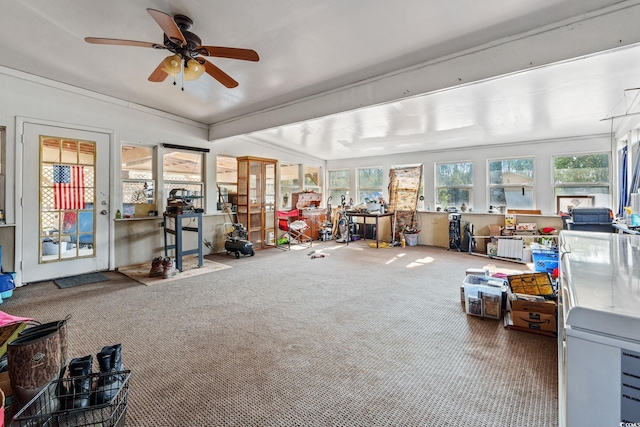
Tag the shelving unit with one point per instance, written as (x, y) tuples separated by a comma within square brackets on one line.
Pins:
[(177, 232), (256, 199)]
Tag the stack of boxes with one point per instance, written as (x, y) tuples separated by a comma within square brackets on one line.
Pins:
[(532, 304), (527, 301)]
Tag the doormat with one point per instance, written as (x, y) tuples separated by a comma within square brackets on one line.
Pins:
[(140, 272), (82, 279)]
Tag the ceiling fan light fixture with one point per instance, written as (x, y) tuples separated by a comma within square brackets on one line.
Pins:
[(193, 70), (172, 65)]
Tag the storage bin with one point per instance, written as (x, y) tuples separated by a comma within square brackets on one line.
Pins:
[(591, 215), (484, 296), (412, 239), (7, 284), (544, 261), (591, 219)]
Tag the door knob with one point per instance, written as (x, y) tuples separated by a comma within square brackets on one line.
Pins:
[(103, 212)]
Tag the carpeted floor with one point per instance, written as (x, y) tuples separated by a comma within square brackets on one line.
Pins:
[(360, 337)]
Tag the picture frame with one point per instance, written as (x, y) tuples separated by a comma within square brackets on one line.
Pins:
[(564, 203)]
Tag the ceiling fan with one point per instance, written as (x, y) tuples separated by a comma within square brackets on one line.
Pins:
[(187, 51)]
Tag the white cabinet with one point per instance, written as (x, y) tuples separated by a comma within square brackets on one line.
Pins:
[(599, 329)]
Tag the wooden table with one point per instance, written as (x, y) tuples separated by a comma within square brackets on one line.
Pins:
[(377, 216)]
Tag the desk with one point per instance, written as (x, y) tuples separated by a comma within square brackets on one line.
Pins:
[(177, 231), (377, 216)]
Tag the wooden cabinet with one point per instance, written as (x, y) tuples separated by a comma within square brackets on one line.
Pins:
[(306, 199), (256, 199), (315, 218)]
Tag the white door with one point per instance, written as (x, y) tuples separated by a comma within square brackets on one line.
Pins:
[(65, 213)]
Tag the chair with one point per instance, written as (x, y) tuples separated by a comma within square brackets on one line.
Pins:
[(294, 227)]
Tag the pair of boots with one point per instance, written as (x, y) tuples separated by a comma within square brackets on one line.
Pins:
[(81, 392), (164, 267)]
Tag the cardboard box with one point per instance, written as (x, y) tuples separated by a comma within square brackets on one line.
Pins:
[(539, 316), (509, 221)]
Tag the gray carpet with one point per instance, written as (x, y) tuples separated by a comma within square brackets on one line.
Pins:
[(79, 280), (360, 337)]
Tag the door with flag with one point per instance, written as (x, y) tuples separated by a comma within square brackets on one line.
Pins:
[(65, 202)]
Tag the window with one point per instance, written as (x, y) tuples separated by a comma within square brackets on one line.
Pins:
[(138, 181), (312, 178), (227, 181), (511, 183), (289, 183), (369, 184), (339, 182), (183, 169), (584, 176), (454, 185)]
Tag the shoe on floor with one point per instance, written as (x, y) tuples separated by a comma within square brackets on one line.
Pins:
[(157, 268), (169, 268)]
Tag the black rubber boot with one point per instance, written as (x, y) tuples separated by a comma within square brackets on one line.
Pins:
[(79, 371), (110, 379)]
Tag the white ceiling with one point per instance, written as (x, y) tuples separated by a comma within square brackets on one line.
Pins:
[(309, 47)]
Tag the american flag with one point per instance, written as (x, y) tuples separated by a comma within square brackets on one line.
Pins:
[(68, 187)]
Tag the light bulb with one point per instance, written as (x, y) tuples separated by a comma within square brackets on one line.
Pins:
[(193, 70), (172, 65)]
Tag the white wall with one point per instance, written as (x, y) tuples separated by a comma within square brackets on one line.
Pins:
[(541, 151), (30, 97)]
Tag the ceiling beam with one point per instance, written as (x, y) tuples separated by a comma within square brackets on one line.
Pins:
[(587, 34)]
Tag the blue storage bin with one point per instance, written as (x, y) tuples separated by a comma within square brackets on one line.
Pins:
[(7, 285), (544, 261)]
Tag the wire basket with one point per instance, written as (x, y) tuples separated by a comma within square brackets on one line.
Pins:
[(48, 408)]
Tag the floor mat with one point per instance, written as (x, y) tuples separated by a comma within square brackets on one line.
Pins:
[(140, 272), (82, 279)]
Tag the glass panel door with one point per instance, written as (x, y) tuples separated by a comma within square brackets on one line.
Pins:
[(67, 203)]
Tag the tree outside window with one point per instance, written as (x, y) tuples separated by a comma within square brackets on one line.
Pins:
[(582, 175), (370, 182), (454, 185), (339, 182)]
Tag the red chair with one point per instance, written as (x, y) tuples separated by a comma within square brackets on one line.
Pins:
[(294, 227)]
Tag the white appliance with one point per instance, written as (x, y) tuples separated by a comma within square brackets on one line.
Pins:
[(599, 329)]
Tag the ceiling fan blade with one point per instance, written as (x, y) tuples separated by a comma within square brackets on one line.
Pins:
[(158, 74), (218, 74), (229, 52), (168, 25), (98, 40)]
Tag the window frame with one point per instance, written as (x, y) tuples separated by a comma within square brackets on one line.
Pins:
[(153, 179), (344, 190), (529, 186), (287, 191), (468, 187), (170, 184), (369, 189), (226, 184), (578, 184)]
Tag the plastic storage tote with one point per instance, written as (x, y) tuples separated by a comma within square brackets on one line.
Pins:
[(591, 219)]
